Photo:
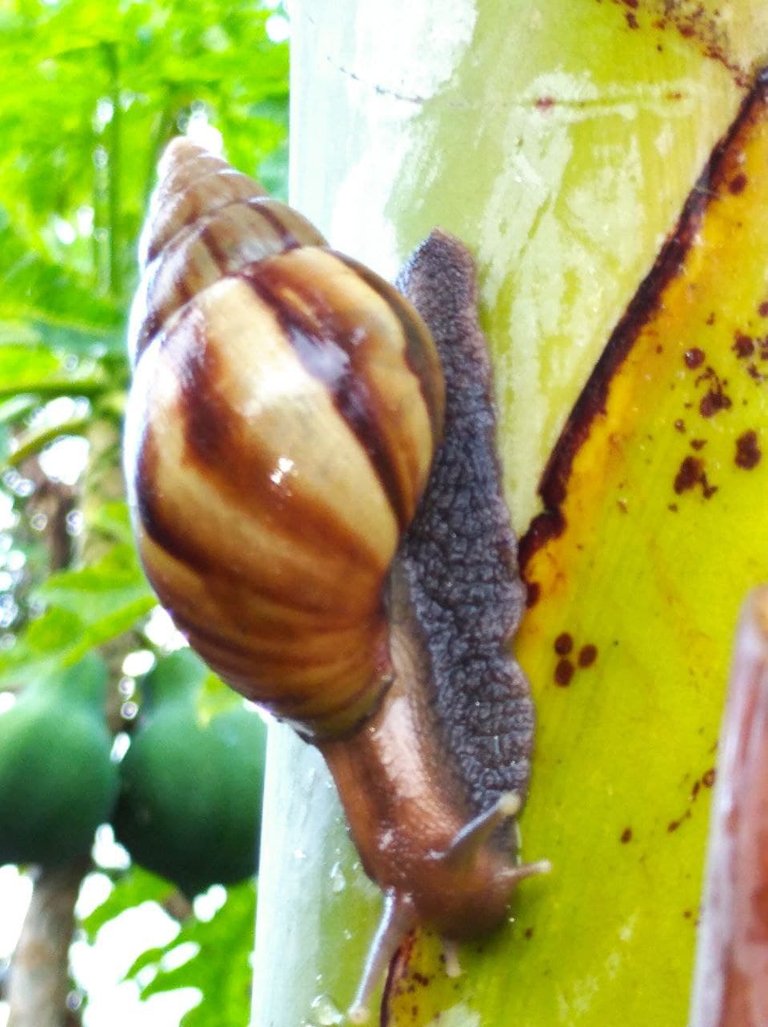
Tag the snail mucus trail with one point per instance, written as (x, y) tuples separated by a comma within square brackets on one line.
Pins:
[(317, 501)]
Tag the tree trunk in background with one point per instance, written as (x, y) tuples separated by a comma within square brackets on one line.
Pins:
[(559, 141), (39, 982)]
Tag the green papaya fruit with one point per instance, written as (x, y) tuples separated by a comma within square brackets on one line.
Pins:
[(191, 784), (58, 781)]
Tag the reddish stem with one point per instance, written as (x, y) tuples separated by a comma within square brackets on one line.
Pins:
[(731, 983)]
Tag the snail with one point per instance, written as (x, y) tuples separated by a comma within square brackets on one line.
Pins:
[(317, 501)]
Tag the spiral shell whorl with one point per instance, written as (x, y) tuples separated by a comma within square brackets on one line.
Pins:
[(205, 220), (280, 430)]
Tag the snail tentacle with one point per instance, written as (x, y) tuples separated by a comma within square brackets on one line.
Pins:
[(398, 919)]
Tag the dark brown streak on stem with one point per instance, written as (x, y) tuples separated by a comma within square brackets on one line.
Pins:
[(594, 398)]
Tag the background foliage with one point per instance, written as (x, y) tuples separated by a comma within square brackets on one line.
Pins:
[(90, 91)]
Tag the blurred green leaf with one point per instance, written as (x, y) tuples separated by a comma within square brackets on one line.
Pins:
[(46, 636), (221, 966), (90, 95), (84, 342), (87, 608), (38, 369), (132, 888), (113, 520), (116, 578), (33, 287)]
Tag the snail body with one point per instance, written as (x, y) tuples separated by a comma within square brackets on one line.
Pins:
[(317, 501)]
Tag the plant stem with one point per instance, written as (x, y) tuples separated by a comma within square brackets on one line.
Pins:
[(163, 130), (114, 136), (35, 443)]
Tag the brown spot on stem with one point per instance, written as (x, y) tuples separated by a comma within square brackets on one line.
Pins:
[(563, 673), (715, 399), (673, 825), (748, 453), (587, 655), (713, 403), (563, 643), (689, 473), (694, 357), (743, 346)]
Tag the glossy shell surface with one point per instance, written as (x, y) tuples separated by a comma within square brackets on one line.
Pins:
[(280, 431)]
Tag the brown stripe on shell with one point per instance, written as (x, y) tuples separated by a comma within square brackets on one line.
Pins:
[(288, 643), (420, 354), (181, 166), (179, 210), (295, 228), (222, 447), (149, 502), (314, 708), (330, 343), (323, 346), (216, 244), (253, 625), (353, 649), (222, 605), (177, 541), (332, 687), (243, 232), (330, 678), (307, 585)]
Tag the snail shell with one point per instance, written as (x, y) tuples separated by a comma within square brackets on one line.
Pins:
[(283, 418)]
